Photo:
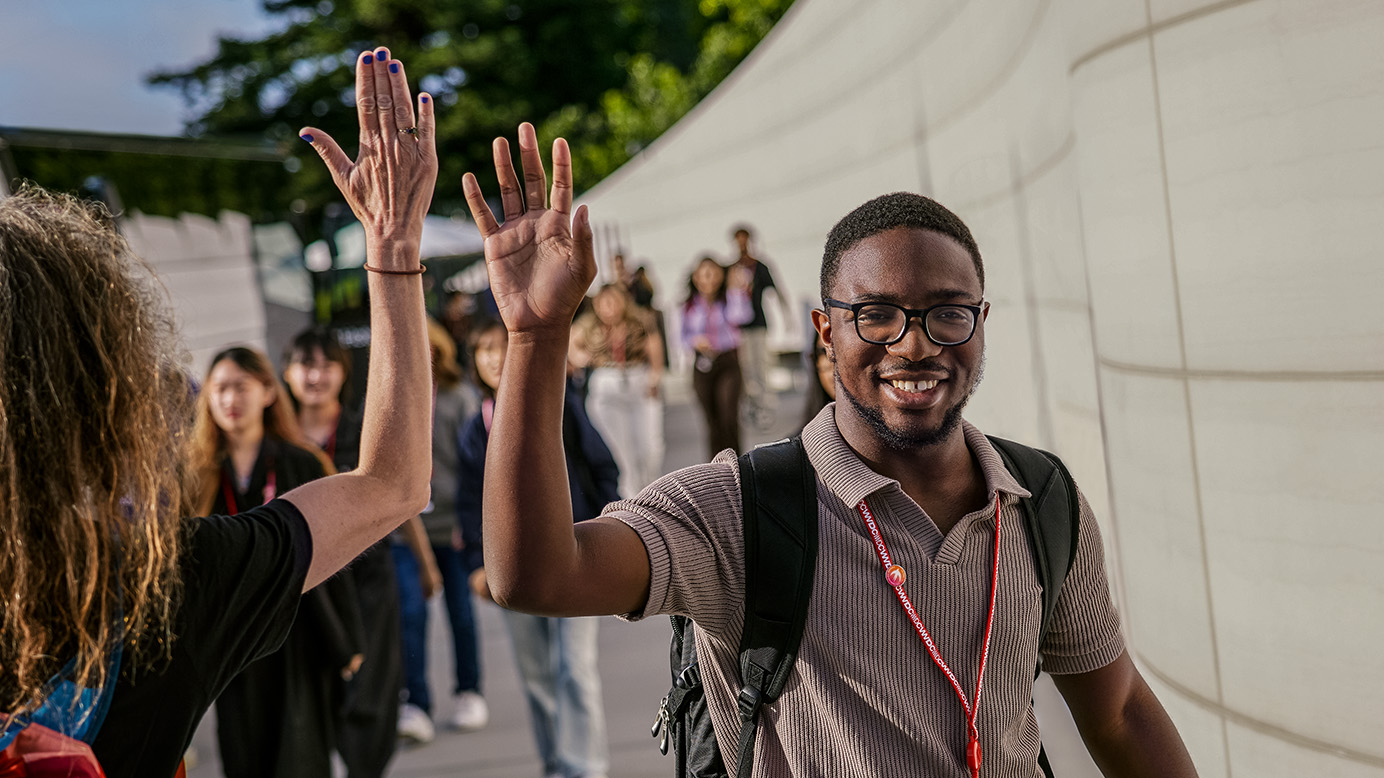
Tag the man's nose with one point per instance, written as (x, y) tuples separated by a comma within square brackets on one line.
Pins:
[(915, 345)]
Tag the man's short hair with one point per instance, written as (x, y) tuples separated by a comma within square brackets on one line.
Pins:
[(884, 213), (736, 229)]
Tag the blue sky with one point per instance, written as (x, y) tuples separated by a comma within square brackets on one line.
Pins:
[(80, 64)]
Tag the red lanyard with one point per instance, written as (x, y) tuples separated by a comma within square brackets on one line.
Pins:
[(229, 494), (894, 576)]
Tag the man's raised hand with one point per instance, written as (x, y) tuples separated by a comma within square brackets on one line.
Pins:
[(390, 184), (540, 260)]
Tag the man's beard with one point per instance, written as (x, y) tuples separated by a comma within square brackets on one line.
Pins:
[(903, 441)]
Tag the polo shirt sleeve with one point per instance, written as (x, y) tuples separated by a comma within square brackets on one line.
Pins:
[(690, 523), (1084, 634)]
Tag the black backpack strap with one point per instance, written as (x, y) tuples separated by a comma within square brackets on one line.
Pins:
[(1053, 515), (778, 489)]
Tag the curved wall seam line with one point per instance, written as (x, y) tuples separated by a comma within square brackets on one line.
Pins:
[(1258, 725), (1192, 452), (1152, 29), (1266, 376)]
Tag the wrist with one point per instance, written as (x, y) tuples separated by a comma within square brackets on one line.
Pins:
[(393, 252)]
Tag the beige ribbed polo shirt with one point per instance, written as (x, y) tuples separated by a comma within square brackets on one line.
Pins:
[(865, 698)]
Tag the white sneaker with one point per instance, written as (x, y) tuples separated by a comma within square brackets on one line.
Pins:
[(469, 712), (415, 725)]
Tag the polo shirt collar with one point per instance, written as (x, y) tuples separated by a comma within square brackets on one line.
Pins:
[(847, 476)]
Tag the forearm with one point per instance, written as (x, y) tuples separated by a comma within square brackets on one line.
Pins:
[(416, 536), (530, 547), (1125, 728), (396, 445), (1141, 743)]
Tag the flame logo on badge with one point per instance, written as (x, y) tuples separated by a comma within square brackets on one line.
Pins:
[(894, 575)]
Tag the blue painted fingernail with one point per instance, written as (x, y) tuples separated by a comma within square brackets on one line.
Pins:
[(382, 55), (306, 137), (367, 58), (393, 67), (424, 98)]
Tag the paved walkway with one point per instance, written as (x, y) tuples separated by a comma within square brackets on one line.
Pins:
[(634, 670)]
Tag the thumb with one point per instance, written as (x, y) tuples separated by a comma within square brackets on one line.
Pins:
[(338, 164)]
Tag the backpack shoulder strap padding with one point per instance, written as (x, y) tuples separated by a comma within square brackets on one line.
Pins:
[(778, 489), (1053, 514)]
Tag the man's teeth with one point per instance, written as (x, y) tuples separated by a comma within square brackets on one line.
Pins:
[(913, 386)]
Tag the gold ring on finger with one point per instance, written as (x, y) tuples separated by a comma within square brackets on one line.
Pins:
[(409, 131)]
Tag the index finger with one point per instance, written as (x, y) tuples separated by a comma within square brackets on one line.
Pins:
[(480, 209)]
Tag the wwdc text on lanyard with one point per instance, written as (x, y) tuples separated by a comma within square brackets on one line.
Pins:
[(894, 576), (229, 494)]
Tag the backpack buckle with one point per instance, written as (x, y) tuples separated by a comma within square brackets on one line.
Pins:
[(749, 701)]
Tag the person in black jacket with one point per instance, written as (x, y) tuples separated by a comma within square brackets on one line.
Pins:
[(556, 658), (316, 371), (275, 718)]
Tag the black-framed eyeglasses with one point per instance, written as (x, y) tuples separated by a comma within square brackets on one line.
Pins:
[(884, 324)]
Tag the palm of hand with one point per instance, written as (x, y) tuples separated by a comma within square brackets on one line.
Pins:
[(534, 273), (540, 260)]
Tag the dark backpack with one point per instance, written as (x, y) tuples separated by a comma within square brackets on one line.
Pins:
[(778, 489)]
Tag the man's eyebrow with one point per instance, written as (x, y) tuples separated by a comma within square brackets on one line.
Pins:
[(936, 294)]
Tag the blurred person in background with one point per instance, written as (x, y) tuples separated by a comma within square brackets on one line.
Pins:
[(276, 718), (619, 344), (754, 343), (556, 657), (317, 371), (118, 597), (717, 303), (821, 380), (454, 403)]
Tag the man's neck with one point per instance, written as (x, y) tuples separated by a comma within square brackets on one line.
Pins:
[(319, 421), (944, 479)]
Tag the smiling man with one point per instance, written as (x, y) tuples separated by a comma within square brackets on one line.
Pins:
[(891, 662)]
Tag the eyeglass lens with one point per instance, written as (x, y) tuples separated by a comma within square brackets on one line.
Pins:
[(945, 324)]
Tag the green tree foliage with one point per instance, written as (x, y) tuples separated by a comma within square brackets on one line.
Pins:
[(610, 75)]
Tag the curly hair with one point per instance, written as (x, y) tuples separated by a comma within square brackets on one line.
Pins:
[(94, 412)]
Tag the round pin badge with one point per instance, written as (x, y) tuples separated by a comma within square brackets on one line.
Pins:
[(894, 575)]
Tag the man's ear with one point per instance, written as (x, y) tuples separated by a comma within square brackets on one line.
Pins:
[(822, 323)]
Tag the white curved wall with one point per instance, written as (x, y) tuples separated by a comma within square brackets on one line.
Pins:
[(1181, 206)]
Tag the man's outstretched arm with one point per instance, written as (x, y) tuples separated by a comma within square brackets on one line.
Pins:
[(1122, 723), (541, 263)]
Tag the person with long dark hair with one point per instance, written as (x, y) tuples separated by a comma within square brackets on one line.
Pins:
[(117, 594), (317, 373), (276, 717), (711, 318), (821, 380)]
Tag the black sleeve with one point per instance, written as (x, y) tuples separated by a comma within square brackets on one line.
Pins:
[(242, 580), (471, 446)]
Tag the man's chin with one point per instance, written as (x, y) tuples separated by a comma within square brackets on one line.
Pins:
[(906, 437)]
